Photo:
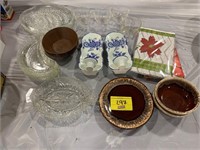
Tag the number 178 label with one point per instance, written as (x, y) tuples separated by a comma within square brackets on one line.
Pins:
[(122, 103)]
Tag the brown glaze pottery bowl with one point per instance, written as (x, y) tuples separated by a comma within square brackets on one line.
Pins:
[(60, 43), (176, 97), (126, 103)]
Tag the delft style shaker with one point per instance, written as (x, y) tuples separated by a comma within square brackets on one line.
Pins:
[(91, 54), (119, 59)]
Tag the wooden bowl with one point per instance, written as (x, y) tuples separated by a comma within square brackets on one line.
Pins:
[(60, 43)]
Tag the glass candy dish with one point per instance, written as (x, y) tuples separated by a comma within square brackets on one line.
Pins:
[(40, 19), (35, 64), (62, 100)]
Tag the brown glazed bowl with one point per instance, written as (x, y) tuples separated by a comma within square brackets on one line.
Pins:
[(176, 97), (142, 103), (60, 43)]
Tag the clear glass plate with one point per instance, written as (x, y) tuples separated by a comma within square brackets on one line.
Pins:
[(35, 64), (40, 19), (62, 100)]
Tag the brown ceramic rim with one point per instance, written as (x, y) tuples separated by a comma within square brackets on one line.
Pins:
[(142, 119), (164, 111), (52, 30), (185, 84)]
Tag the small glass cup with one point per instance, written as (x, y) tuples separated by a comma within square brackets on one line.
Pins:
[(131, 26)]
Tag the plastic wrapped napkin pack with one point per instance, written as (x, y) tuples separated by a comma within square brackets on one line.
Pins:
[(156, 55)]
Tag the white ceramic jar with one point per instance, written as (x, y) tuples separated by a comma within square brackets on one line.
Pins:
[(119, 59), (91, 60)]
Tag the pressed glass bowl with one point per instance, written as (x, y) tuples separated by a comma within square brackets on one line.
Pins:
[(35, 64), (141, 98), (40, 19), (62, 100)]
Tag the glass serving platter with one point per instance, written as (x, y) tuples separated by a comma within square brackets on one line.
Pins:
[(40, 19), (62, 100)]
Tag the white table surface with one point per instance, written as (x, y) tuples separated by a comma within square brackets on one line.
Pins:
[(22, 128)]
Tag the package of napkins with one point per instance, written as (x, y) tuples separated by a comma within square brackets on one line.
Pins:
[(154, 53)]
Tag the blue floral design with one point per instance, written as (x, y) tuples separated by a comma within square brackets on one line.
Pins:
[(117, 43), (118, 54), (92, 44), (93, 56)]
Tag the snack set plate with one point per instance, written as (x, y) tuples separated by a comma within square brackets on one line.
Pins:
[(40, 19)]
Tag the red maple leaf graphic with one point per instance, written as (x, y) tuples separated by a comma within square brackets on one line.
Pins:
[(151, 46)]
